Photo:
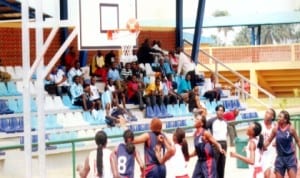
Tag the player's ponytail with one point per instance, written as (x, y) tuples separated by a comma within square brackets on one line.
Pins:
[(185, 149), (128, 138), (274, 113), (180, 137), (257, 132), (101, 140)]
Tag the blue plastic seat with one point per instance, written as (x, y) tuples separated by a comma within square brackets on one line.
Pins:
[(13, 105), (33, 105), (184, 110), (51, 122), (89, 118), (8, 125), (67, 102), (34, 123), (19, 127), (12, 89), (3, 89), (20, 104), (149, 112), (4, 109), (164, 112), (177, 110), (101, 117)]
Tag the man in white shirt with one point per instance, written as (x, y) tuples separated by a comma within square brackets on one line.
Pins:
[(218, 128), (186, 66), (58, 77)]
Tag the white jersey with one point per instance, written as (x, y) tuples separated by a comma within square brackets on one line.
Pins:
[(107, 171), (177, 164), (258, 160), (269, 155), (94, 93)]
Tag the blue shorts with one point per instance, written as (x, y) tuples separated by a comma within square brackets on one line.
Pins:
[(205, 169), (155, 171), (285, 163)]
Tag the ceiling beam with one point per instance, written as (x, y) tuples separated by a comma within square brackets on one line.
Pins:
[(264, 84)]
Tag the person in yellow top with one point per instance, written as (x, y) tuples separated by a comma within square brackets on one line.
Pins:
[(97, 66), (154, 93)]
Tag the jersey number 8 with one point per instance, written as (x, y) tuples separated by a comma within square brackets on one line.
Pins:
[(122, 164)]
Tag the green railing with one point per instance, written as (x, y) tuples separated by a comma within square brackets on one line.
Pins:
[(295, 122)]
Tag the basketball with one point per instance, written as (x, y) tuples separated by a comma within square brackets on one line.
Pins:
[(132, 25)]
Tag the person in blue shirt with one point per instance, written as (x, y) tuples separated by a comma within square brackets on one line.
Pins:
[(79, 98), (114, 73), (185, 85)]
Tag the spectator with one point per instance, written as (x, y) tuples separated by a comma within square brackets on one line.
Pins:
[(113, 73), (95, 165), (95, 95), (126, 72), (135, 92), (58, 78), (153, 93), (70, 57), (79, 98), (75, 70), (194, 103), (231, 116), (170, 96), (185, 87), (186, 66), (115, 114), (109, 59), (144, 53), (137, 71), (173, 60), (98, 66)]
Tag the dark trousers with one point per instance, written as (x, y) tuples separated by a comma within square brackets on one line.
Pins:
[(193, 78), (220, 159)]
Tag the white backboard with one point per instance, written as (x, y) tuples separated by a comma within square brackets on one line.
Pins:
[(97, 17)]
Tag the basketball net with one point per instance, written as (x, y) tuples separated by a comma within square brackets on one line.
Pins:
[(128, 37)]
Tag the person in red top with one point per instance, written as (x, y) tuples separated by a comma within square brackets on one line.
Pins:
[(70, 58), (135, 92), (231, 116)]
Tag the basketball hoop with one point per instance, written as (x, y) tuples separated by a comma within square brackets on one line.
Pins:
[(133, 27)]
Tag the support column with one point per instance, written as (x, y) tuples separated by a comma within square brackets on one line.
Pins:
[(179, 23), (258, 35), (64, 30), (252, 35), (198, 29), (26, 88), (253, 79), (40, 90)]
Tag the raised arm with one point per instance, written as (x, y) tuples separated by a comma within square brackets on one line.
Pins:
[(251, 159), (141, 138), (170, 150), (212, 140), (270, 139)]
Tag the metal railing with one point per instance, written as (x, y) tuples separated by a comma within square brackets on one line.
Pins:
[(243, 79)]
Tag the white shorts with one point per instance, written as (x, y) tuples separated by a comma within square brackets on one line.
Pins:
[(268, 158)]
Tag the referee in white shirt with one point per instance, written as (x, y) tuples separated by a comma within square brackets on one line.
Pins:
[(218, 128)]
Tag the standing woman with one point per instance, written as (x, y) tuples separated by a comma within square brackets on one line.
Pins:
[(153, 167), (254, 150), (94, 166), (178, 162), (124, 157), (268, 156), (284, 132), (203, 140)]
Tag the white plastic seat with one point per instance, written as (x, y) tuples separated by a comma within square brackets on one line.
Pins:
[(19, 85), (11, 71), (61, 119), (58, 103), (49, 104), (18, 72)]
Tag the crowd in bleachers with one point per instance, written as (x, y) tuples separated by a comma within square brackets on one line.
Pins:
[(161, 83)]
